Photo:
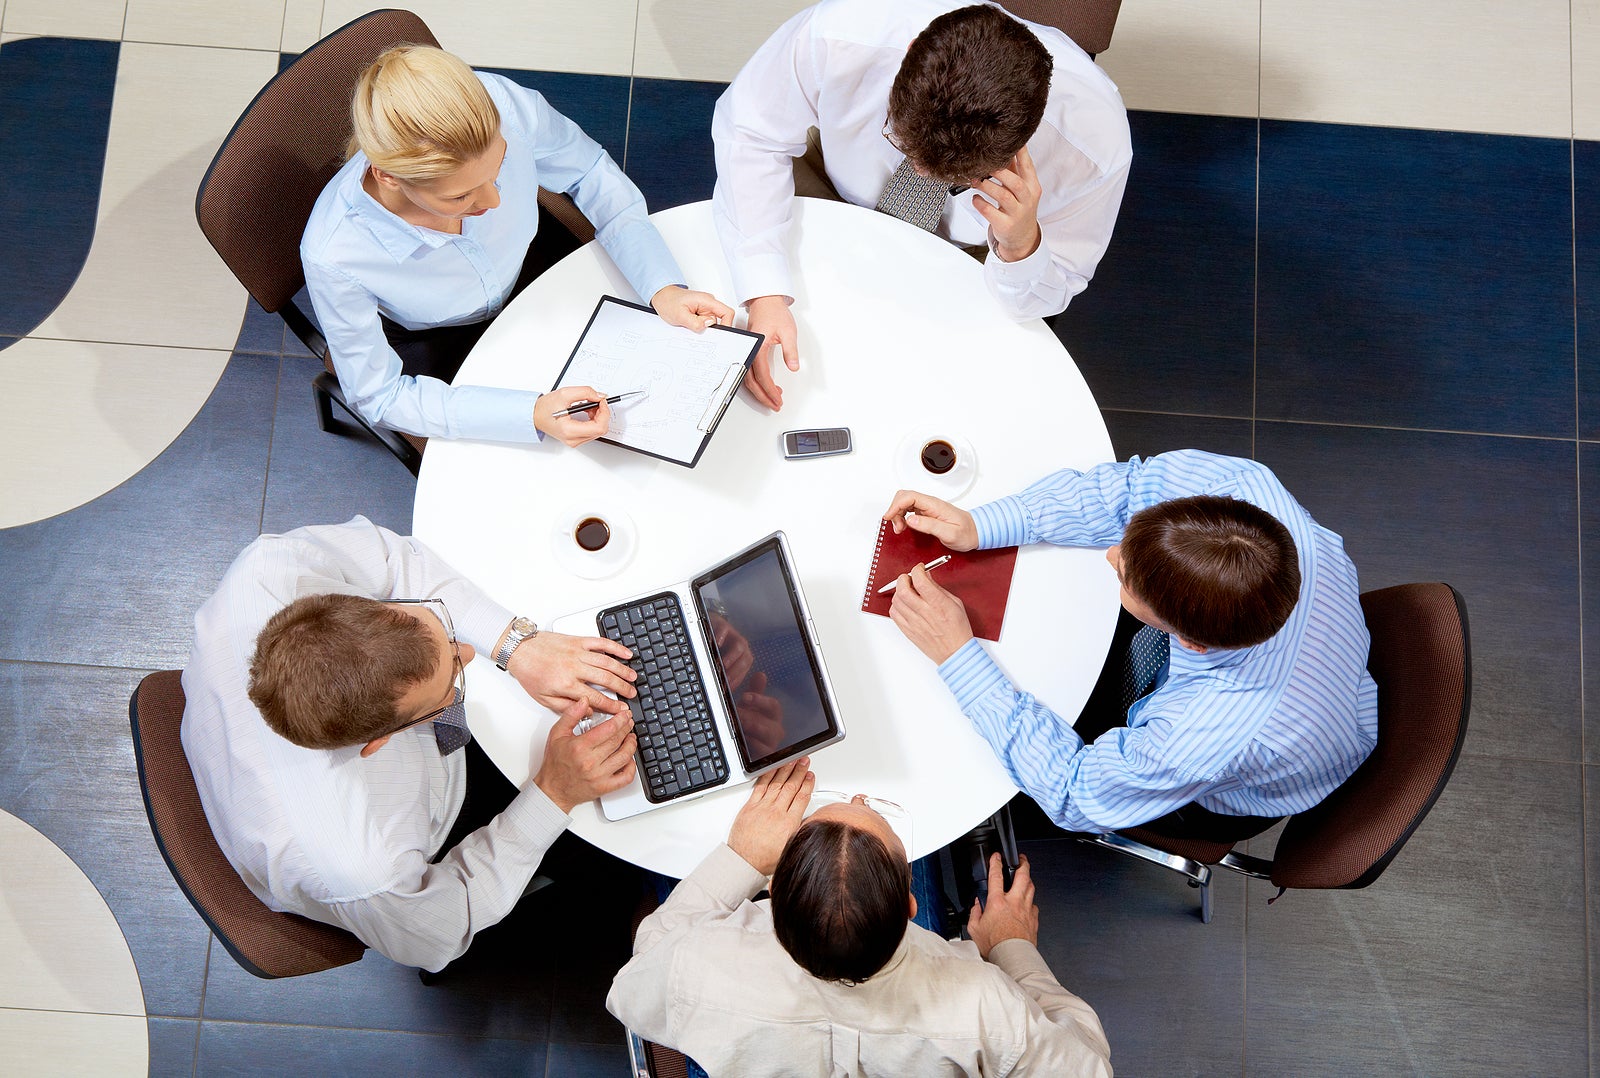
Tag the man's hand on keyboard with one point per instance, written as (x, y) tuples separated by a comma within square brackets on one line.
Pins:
[(556, 669), (932, 516), (578, 768), (931, 617)]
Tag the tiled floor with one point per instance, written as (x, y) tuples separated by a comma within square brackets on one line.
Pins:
[(1400, 319)]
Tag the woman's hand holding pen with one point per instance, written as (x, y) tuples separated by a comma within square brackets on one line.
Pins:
[(932, 516), (693, 310), (580, 427)]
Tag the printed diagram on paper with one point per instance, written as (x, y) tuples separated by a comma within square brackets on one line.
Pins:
[(686, 377)]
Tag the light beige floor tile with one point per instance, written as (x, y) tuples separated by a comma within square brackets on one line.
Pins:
[(82, 418), (50, 1043), (1459, 65), (302, 25), (595, 37), (65, 18), (237, 24), (707, 40), (1193, 56), (1586, 69), (61, 948), (151, 277)]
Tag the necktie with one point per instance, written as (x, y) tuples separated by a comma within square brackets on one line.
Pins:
[(913, 198), (450, 728), (1147, 657)]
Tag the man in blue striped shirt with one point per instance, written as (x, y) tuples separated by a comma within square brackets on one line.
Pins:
[(1264, 705)]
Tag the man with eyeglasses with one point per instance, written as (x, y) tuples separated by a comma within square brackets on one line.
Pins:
[(829, 976), (999, 135), (325, 725)]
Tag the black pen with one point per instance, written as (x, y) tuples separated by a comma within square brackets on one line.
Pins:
[(584, 406)]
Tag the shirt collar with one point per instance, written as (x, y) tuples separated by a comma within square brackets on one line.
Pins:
[(399, 238)]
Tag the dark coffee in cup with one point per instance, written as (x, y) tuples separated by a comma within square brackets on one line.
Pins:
[(592, 533), (938, 456)]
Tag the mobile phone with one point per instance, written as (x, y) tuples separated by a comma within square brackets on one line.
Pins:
[(822, 442)]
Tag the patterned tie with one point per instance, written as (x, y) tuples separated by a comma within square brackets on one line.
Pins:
[(913, 198), (1147, 657), (450, 728)]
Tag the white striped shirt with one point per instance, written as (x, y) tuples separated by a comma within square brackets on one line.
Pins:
[(1267, 730), (323, 832)]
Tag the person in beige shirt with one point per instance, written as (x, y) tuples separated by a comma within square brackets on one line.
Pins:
[(828, 977)]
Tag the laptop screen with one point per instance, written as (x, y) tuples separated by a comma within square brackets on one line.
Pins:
[(768, 668)]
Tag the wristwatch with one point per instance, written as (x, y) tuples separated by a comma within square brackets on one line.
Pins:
[(521, 629)]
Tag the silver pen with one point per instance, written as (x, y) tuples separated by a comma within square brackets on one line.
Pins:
[(931, 566)]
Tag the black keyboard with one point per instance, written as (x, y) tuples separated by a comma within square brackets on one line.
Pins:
[(679, 751)]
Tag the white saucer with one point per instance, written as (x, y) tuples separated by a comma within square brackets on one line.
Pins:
[(594, 564), (911, 475)]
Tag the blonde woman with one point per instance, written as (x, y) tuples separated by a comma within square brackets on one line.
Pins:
[(427, 232)]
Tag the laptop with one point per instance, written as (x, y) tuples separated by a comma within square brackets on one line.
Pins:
[(731, 678)]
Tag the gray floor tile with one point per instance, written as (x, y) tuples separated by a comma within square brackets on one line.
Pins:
[(258, 1050), (1591, 851), (68, 771), (1497, 518), (588, 1060), (1465, 958), (116, 582), (1589, 500), (1127, 937), (1149, 433), (261, 332), (173, 1044), (322, 477)]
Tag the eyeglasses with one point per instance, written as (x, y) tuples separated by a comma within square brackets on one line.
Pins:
[(459, 682), (888, 136), (898, 819)]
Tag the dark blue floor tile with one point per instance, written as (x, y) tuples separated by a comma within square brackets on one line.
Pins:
[(1415, 279), (173, 1044), (1149, 433), (1126, 936), (116, 582), (261, 332), (254, 1050), (588, 1060), (1167, 322), (68, 771), (1589, 499), (596, 103), (669, 140), (328, 477), (1446, 965), (1495, 517), (1586, 219), (55, 111)]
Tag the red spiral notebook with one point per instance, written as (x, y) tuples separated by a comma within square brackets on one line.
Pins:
[(981, 579)]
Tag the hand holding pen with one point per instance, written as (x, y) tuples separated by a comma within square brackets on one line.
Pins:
[(572, 414), (586, 405), (930, 567)]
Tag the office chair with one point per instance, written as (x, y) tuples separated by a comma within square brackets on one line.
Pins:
[(1421, 659), (1087, 22), (266, 943), (257, 194)]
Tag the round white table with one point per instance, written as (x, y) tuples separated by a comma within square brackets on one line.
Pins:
[(898, 336)]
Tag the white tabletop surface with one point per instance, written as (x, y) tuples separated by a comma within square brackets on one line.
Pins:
[(899, 339)]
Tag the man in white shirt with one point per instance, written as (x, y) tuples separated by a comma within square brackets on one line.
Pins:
[(968, 96), (322, 723), (828, 977)]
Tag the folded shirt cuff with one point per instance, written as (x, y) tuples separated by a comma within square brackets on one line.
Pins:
[(763, 275), (970, 674), (727, 877), (1022, 272), (1003, 522)]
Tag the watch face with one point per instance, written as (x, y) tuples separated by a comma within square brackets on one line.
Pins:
[(523, 626)]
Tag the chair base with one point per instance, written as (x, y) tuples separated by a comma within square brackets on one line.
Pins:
[(1195, 873), (325, 393)]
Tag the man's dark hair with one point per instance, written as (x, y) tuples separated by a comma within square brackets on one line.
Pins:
[(969, 94), (329, 670), (839, 901), (1220, 572)]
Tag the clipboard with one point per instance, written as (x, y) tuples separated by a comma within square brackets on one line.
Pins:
[(689, 378)]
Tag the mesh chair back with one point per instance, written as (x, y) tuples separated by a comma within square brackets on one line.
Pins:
[(267, 943), (257, 195), (1421, 660), (1087, 22)]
